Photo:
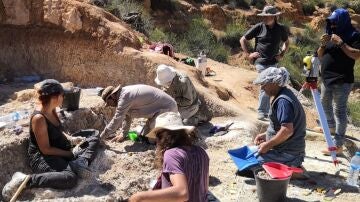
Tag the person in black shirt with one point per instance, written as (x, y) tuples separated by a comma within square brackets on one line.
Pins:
[(339, 49), (52, 157), (268, 35)]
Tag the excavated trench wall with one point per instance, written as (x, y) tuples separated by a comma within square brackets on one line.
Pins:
[(79, 58), (99, 53)]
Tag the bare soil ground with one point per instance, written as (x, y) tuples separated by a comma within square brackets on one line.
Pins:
[(121, 169)]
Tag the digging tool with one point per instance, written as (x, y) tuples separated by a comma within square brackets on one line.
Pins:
[(19, 190), (311, 72), (279, 170)]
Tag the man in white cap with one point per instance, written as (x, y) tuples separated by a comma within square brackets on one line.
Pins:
[(268, 35), (180, 87), (284, 140), (134, 101)]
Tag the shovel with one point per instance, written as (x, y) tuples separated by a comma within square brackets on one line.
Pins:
[(279, 170)]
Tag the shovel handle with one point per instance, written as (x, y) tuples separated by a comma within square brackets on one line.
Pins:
[(296, 170)]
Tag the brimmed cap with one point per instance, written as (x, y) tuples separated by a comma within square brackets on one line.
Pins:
[(338, 14), (50, 87), (269, 11), (164, 74), (279, 76), (170, 121), (106, 92)]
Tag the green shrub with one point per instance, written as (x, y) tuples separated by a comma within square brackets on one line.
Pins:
[(293, 61), (309, 6), (164, 5), (239, 3), (233, 33), (354, 110), (197, 38), (357, 72), (341, 3), (287, 22), (157, 35), (355, 5), (259, 4), (121, 8), (309, 38), (219, 53)]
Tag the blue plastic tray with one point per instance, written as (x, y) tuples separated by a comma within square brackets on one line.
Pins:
[(243, 158)]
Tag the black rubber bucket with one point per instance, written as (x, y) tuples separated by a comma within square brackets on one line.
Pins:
[(270, 190), (71, 99)]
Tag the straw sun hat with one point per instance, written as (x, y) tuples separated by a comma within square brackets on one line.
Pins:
[(170, 121), (106, 92)]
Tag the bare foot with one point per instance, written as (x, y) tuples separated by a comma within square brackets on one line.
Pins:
[(118, 138)]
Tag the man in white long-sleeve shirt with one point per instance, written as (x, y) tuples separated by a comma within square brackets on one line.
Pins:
[(135, 101)]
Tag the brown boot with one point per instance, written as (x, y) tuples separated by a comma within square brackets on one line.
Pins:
[(339, 151)]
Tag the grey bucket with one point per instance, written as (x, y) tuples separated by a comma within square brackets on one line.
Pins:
[(270, 190), (71, 99)]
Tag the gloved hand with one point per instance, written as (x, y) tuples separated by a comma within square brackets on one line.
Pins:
[(324, 39), (77, 150), (76, 140)]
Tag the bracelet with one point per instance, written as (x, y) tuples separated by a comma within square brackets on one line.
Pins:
[(341, 44)]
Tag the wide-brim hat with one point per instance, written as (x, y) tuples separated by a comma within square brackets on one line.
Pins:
[(164, 74), (169, 121), (269, 11), (106, 92)]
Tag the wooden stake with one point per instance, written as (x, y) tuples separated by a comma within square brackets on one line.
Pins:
[(19, 190)]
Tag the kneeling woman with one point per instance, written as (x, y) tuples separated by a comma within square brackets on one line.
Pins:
[(185, 167), (52, 155)]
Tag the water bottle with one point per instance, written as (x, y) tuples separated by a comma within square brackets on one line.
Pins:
[(16, 116), (203, 63), (354, 170), (10, 120)]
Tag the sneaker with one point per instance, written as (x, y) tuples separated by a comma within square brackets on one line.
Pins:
[(263, 117), (81, 167), (339, 151), (11, 187)]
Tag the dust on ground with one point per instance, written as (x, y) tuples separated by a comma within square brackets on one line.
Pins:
[(121, 169)]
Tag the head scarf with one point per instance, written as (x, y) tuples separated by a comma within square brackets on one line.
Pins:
[(275, 75), (344, 28)]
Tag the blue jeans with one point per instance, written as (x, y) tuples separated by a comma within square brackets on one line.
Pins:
[(334, 100), (264, 99), (281, 157)]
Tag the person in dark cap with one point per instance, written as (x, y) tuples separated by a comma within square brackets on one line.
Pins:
[(134, 101), (56, 158), (339, 48), (269, 35)]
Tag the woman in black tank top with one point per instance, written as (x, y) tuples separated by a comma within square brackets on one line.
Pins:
[(50, 150)]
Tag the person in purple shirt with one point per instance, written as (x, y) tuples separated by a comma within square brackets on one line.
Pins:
[(184, 166)]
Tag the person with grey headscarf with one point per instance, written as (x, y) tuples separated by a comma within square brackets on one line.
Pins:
[(284, 140)]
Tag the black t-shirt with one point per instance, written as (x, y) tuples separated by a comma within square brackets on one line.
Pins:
[(336, 66), (267, 41)]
